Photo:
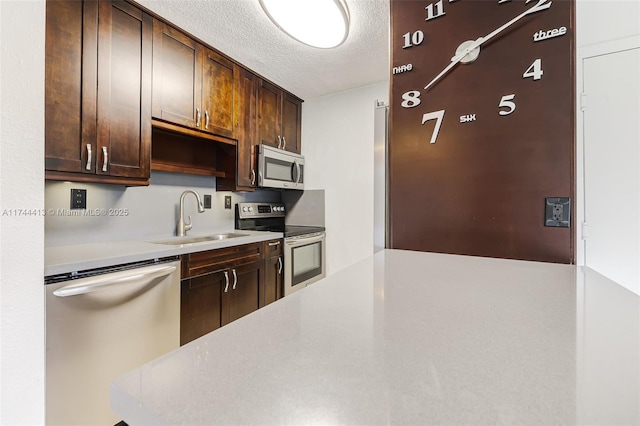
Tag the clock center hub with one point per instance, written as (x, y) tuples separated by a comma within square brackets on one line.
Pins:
[(470, 55)]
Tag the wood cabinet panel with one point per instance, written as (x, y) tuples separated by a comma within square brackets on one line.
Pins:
[(201, 305), (239, 165), (273, 271), (220, 90), (279, 117), (269, 111), (70, 84), (97, 92), (291, 123), (124, 91), (244, 296), (220, 286), (273, 275), (207, 261), (177, 81), (246, 161)]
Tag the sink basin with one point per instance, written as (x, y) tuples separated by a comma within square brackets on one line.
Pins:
[(200, 239)]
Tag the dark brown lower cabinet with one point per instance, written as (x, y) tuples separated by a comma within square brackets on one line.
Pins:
[(201, 305), (220, 286), (273, 272), (215, 299), (243, 296)]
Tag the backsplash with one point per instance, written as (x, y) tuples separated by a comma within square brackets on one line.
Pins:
[(118, 213)]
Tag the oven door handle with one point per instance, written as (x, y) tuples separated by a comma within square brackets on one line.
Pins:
[(294, 241)]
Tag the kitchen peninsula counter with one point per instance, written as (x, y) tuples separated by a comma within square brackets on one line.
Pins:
[(410, 338)]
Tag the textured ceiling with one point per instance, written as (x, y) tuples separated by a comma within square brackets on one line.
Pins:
[(241, 30)]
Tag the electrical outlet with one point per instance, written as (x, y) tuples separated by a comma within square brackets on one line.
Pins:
[(227, 202), (78, 199), (207, 201), (558, 212)]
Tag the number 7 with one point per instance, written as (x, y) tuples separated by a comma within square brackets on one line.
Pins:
[(436, 115)]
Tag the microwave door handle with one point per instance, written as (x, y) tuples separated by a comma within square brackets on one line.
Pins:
[(294, 171)]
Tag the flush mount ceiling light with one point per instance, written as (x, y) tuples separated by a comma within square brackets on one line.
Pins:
[(317, 23)]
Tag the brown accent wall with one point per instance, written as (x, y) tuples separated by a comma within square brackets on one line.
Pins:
[(480, 188)]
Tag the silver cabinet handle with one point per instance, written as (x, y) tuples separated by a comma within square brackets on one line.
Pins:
[(206, 118), (235, 279), (226, 281), (253, 177), (284, 143), (273, 244), (88, 167), (105, 159), (198, 117), (279, 265), (91, 284), (279, 142)]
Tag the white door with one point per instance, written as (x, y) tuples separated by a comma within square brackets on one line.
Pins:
[(612, 165)]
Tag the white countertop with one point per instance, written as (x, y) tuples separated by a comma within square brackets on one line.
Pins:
[(80, 257), (410, 338)]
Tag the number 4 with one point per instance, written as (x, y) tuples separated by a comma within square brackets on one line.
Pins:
[(535, 70)]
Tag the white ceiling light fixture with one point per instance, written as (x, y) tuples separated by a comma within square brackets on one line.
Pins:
[(317, 23)]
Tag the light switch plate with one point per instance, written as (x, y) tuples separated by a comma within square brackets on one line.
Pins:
[(207, 201), (227, 202)]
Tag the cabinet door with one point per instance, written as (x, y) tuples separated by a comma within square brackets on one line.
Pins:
[(246, 162), (201, 305), (219, 94), (269, 113), (177, 76), (292, 122), (274, 269), (244, 292), (125, 35), (70, 85)]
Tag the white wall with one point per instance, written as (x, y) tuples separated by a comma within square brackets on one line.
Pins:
[(338, 138), (602, 26), (21, 235)]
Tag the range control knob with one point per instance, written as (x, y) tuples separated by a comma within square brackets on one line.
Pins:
[(250, 208), (245, 209)]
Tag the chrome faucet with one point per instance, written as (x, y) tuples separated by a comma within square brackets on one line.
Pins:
[(182, 226)]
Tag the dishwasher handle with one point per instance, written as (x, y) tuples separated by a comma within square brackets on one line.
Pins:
[(91, 284)]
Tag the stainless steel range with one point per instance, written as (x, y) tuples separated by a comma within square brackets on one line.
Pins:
[(304, 246)]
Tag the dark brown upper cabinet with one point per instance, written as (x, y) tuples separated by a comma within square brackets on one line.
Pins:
[(193, 86), (240, 164), (279, 117), (97, 92)]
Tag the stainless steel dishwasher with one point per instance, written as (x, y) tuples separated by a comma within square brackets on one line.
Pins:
[(101, 324)]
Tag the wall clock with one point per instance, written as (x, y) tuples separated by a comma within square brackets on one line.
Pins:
[(481, 126)]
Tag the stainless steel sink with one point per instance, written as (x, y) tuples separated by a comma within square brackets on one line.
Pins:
[(200, 239)]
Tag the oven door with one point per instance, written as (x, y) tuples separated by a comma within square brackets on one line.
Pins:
[(304, 260)]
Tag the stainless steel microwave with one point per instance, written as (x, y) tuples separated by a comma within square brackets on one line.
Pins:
[(280, 169)]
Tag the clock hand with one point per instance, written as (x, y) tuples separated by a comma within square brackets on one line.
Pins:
[(541, 5)]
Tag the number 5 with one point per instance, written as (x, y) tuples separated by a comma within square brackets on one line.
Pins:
[(505, 102), (436, 115)]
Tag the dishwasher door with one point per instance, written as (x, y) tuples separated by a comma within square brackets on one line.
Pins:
[(98, 328)]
